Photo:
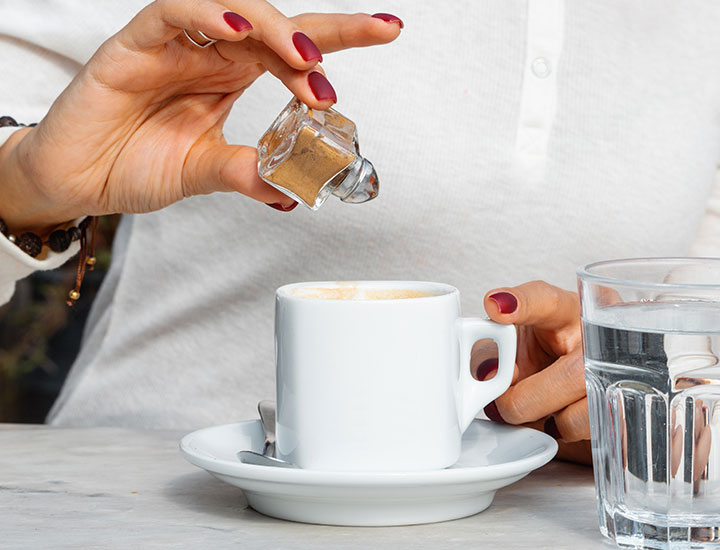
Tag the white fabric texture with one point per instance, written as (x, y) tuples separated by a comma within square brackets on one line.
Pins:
[(619, 139), (707, 240)]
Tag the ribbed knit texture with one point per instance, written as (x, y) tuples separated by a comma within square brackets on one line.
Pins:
[(182, 333)]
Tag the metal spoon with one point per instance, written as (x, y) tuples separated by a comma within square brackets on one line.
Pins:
[(266, 409), (267, 458)]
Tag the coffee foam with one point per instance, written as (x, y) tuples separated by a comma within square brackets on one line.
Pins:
[(359, 293)]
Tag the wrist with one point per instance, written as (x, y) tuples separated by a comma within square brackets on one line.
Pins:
[(23, 206)]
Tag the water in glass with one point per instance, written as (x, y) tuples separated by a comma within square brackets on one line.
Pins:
[(653, 381)]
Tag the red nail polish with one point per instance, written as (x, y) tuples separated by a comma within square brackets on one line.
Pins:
[(486, 368), (278, 206), (321, 87), (506, 302), (551, 428), (389, 18), (491, 411), (306, 47), (237, 22)]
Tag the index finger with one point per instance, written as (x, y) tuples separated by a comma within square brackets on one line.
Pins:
[(537, 303)]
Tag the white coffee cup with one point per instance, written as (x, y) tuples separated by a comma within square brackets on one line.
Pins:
[(368, 384)]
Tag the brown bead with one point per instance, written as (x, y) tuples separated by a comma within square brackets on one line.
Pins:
[(74, 295), (3, 227), (59, 240), (74, 233), (90, 260), (30, 243), (7, 121)]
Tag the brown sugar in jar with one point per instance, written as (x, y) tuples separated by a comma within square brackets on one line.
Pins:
[(309, 155)]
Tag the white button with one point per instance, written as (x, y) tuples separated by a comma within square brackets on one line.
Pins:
[(541, 67)]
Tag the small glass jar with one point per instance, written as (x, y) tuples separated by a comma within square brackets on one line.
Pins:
[(309, 155)]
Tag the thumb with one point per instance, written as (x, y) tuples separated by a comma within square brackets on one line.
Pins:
[(221, 167)]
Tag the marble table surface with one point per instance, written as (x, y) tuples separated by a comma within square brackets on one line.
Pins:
[(116, 488)]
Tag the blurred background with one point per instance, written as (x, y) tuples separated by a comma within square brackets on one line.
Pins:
[(40, 335)]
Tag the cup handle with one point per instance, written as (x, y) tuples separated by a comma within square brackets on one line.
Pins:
[(473, 394)]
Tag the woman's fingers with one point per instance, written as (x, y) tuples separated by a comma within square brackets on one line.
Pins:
[(571, 424), (228, 20), (536, 303), (299, 40), (311, 86), (546, 391), (279, 44), (548, 319), (553, 313), (330, 32)]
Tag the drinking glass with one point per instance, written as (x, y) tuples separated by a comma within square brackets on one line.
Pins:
[(651, 338)]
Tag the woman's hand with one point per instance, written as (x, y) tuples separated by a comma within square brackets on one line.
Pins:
[(140, 126), (548, 390)]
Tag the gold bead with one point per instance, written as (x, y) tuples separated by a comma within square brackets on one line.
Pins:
[(74, 294), (91, 260)]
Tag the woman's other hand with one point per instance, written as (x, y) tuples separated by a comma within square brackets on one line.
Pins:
[(140, 126), (548, 390)]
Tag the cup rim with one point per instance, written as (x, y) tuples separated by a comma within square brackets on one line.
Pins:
[(446, 289), (584, 273)]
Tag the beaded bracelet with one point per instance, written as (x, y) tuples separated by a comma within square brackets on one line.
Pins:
[(10, 121), (59, 240)]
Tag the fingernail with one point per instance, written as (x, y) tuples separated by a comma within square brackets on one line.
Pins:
[(486, 368), (491, 411), (237, 22), (389, 18), (506, 302), (321, 87), (306, 47), (551, 428), (278, 206)]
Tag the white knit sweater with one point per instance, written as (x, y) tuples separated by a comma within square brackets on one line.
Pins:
[(514, 139)]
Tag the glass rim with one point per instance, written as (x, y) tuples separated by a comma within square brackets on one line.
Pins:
[(585, 273)]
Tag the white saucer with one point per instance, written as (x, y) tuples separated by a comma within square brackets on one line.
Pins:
[(493, 456)]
